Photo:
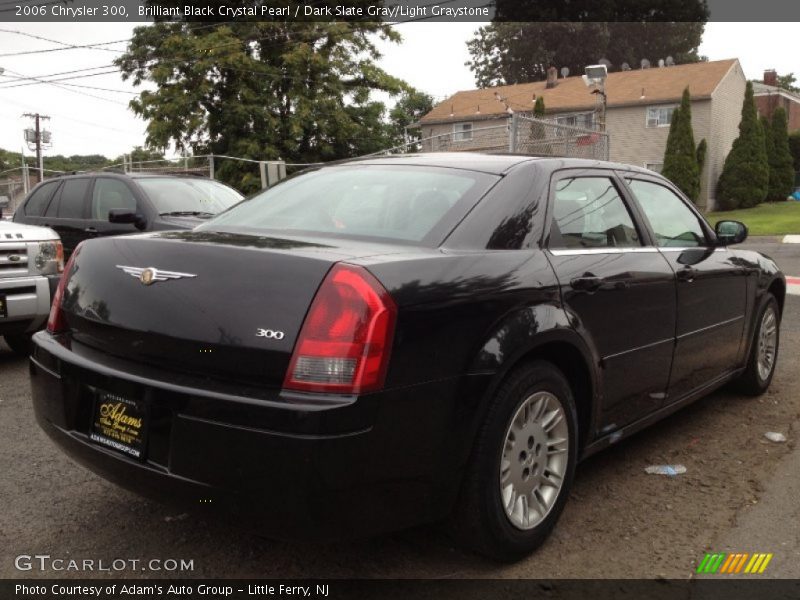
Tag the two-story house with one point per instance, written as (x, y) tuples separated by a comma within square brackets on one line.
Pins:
[(639, 105)]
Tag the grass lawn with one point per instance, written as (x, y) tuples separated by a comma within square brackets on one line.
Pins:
[(769, 218)]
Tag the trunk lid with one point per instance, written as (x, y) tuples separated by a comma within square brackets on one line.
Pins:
[(220, 305)]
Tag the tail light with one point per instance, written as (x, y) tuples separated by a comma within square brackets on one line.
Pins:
[(56, 322), (345, 340)]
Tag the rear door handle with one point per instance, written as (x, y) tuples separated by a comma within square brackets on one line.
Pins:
[(687, 274), (587, 283)]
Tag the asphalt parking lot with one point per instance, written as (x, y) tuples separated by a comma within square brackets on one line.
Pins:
[(738, 494)]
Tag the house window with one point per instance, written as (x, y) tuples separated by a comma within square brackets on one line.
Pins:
[(659, 116), (654, 166), (462, 132)]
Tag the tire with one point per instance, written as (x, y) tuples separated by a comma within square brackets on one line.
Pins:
[(756, 378), (20, 343), (481, 520)]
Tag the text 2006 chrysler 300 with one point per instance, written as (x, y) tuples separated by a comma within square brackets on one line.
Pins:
[(393, 341)]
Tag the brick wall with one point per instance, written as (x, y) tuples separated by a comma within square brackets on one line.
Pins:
[(767, 103)]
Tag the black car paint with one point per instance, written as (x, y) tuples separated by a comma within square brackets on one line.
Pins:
[(73, 231), (317, 466)]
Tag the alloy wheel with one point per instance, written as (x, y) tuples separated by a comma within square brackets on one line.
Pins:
[(767, 343), (534, 460)]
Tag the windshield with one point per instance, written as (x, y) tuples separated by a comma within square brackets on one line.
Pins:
[(179, 195), (393, 202)]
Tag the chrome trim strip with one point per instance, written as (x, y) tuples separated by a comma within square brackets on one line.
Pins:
[(720, 324), (645, 347), (685, 248), (610, 250)]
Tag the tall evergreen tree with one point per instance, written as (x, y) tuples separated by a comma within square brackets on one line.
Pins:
[(680, 156), (745, 177), (769, 147), (781, 168), (702, 150)]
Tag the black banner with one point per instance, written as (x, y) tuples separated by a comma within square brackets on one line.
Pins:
[(398, 11), (580, 589)]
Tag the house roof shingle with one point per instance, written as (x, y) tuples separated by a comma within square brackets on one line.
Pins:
[(657, 85)]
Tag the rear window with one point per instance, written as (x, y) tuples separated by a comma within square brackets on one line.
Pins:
[(38, 201), (388, 202)]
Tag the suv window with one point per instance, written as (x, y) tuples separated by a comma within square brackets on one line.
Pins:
[(38, 201), (673, 223), (110, 194), (70, 205), (588, 212)]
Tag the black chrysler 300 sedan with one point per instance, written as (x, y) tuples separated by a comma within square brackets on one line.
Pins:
[(393, 341)]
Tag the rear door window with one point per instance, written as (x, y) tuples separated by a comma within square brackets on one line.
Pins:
[(37, 203), (71, 204), (588, 212)]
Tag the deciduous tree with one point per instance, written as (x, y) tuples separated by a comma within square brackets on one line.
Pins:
[(297, 91)]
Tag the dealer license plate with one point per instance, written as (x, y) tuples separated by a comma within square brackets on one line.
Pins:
[(119, 423)]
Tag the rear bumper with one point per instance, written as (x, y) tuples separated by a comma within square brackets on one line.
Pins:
[(28, 302), (302, 467)]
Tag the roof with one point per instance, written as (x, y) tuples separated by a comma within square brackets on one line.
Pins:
[(496, 164), (623, 88), (761, 89)]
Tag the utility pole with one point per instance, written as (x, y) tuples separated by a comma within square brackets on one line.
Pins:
[(38, 141)]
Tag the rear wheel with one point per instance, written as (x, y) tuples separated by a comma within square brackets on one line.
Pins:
[(763, 349), (19, 343), (522, 465)]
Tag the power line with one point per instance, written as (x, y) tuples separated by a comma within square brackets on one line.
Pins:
[(60, 86), (38, 81), (95, 46)]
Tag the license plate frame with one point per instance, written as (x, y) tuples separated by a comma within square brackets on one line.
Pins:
[(120, 423)]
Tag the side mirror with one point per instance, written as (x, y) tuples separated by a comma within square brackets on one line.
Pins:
[(730, 232), (125, 215)]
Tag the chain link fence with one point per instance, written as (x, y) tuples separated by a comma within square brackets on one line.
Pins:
[(522, 134), (542, 137)]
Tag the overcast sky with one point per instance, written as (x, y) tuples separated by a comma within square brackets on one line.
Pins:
[(431, 58)]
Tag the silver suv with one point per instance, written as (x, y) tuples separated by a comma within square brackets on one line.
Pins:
[(31, 262)]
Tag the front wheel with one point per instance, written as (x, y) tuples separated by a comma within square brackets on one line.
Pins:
[(19, 343), (763, 349), (522, 465)]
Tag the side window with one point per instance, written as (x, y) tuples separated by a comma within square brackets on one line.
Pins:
[(673, 223), (52, 208), (588, 212), (110, 194), (72, 199), (37, 203)]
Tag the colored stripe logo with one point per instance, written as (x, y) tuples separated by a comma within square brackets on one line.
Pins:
[(723, 563)]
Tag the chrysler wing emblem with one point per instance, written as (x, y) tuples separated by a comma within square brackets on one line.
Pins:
[(149, 275)]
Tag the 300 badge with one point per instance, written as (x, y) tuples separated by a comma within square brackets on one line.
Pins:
[(270, 334)]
